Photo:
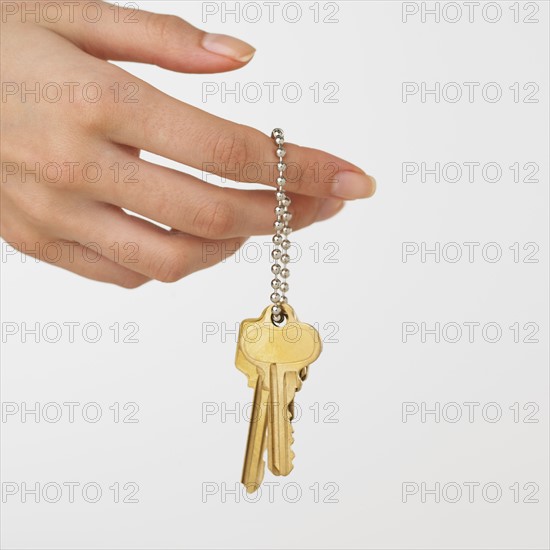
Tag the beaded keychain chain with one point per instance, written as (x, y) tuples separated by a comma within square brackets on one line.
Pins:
[(274, 351)]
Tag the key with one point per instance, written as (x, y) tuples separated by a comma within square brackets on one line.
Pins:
[(280, 353), (254, 464)]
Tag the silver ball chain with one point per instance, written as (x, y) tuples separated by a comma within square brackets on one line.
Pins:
[(280, 239)]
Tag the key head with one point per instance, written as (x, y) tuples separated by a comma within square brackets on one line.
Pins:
[(292, 346), (245, 366)]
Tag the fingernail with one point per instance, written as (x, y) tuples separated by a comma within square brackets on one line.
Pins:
[(329, 208), (352, 185), (228, 46)]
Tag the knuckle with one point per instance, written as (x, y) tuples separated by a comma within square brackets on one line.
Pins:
[(162, 27), (39, 210), (44, 166), (170, 267), (90, 106), (230, 152), (214, 220), (35, 213), (63, 168), (56, 173), (93, 102)]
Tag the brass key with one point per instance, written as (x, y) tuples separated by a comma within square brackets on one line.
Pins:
[(280, 354), (254, 464)]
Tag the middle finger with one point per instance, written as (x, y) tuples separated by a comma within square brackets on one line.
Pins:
[(190, 205)]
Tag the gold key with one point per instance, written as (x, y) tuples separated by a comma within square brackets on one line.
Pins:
[(280, 354), (254, 465)]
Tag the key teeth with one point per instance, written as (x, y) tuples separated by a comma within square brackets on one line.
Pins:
[(291, 461), (292, 454)]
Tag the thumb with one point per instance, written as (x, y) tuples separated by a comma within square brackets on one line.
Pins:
[(164, 40)]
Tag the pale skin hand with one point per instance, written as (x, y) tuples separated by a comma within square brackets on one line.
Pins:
[(72, 132)]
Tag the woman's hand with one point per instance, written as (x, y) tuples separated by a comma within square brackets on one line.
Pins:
[(72, 129)]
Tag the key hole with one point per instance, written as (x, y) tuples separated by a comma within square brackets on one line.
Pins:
[(280, 323)]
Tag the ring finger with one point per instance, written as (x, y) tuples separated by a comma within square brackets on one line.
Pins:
[(144, 247), (190, 205)]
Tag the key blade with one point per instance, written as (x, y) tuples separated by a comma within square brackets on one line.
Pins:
[(282, 389), (254, 464)]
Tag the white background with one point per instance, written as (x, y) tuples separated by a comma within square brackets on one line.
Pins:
[(185, 463)]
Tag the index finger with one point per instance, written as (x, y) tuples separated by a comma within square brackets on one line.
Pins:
[(170, 128)]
